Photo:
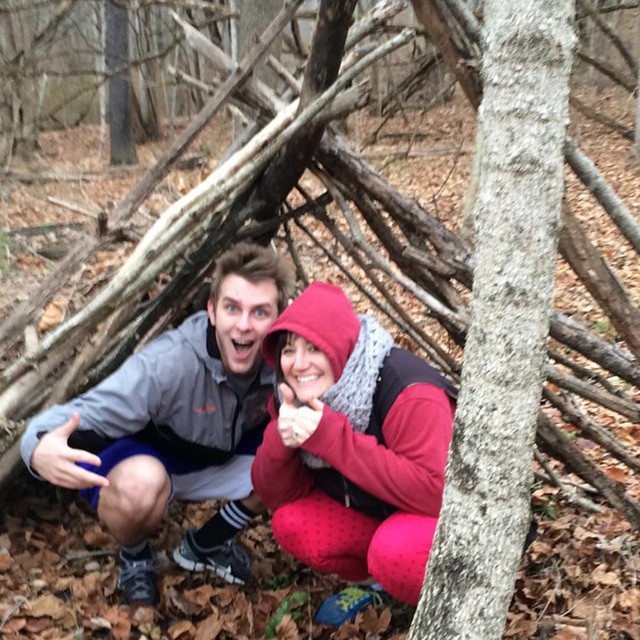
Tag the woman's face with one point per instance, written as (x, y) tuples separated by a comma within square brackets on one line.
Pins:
[(305, 368)]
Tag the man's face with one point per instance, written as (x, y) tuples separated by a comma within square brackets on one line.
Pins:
[(242, 315)]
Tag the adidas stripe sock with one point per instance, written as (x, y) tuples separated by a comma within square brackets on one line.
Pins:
[(231, 518)]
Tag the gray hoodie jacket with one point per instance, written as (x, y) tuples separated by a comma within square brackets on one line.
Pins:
[(172, 394)]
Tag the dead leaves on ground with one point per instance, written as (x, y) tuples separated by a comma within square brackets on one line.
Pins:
[(58, 580), (58, 575)]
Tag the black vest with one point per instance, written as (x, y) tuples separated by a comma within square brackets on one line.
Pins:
[(400, 369)]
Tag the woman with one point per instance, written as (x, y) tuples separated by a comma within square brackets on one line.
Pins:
[(352, 462)]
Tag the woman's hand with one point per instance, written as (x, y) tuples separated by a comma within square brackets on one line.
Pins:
[(297, 424)]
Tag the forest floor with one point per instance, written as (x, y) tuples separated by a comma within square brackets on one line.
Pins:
[(580, 579)]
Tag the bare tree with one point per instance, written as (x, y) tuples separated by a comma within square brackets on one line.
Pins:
[(25, 32), (523, 115), (123, 150)]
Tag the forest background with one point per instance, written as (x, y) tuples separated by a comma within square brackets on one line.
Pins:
[(418, 131)]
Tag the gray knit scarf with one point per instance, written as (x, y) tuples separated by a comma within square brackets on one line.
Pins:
[(352, 394)]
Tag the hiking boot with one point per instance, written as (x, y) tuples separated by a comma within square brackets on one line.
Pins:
[(228, 560), (137, 580), (344, 606)]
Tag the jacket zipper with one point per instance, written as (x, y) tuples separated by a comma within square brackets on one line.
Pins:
[(236, 412)]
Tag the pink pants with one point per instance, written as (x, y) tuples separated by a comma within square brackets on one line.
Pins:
[(331, 538)]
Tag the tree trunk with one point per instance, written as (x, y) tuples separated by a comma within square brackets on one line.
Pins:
[(254, 18), (523, 116), (264, 198), (123, 150), (18, 32), (430, 18)]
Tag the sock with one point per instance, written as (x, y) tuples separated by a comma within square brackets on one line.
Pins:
[(140, 551), (231, 518)]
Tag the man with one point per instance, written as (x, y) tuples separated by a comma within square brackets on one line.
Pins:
[(182, 418)]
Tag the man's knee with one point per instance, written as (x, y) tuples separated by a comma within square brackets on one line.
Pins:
[(137, 486)]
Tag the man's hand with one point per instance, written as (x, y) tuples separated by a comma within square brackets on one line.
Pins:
[(297, 424), (55, 460)]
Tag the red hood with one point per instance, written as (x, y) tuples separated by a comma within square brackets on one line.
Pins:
[(323, 315)]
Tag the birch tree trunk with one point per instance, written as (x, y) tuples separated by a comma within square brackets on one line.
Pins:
[(485, 516)]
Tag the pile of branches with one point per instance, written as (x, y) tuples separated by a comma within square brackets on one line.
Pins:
[(379, 237)]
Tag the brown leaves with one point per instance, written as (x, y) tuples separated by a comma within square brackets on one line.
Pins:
[(53, 314)]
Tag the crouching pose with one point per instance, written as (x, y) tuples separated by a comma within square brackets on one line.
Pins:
[(179, 419), (352, 462)]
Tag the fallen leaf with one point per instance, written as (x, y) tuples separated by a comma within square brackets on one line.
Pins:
[(209, 628), (602, 576), (6, 561), (47, 605), (53, 314), (287, 629), (183, 630), (630, 598)]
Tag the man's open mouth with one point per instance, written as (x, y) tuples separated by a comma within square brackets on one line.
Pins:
[(243, 346)]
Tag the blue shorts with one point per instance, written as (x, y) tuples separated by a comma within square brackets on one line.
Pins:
[(190, 479), (126, 448)]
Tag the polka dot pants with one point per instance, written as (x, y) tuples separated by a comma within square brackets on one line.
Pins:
[(331, 538)]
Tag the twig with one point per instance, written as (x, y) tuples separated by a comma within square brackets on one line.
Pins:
[(563, 486), (73, 207), (98, 553), (608, 31), (623, 406), (20, 600), (588, 173)]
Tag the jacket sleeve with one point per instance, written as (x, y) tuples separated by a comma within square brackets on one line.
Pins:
[(278, 474), (409, 471), (122, 404)]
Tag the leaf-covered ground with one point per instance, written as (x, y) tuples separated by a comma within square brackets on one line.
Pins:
[(579, 579)]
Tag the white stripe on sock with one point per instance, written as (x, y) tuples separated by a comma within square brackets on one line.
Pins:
[(234, 516)]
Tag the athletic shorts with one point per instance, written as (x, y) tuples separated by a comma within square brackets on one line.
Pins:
[(228, 481)]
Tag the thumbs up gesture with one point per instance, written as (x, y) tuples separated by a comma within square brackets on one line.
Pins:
[(55, 460), (297, 424)]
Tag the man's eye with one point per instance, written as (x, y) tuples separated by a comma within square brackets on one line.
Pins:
[(231, 308), (261, 313)]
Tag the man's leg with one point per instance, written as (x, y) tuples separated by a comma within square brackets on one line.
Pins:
[(134, 503), (132, 507), (213, 546)]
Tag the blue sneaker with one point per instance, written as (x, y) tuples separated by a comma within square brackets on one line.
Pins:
[(344, 606)]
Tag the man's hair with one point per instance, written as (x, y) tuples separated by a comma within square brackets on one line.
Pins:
[(255, 264)]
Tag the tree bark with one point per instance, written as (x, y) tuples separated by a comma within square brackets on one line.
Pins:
[(263, 198), (600, 281), (526, 67), (431, 19), (123, 149)]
